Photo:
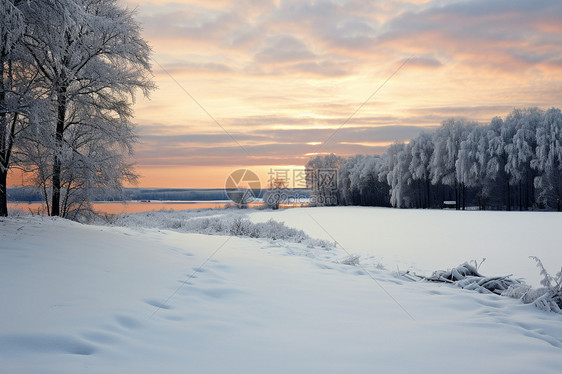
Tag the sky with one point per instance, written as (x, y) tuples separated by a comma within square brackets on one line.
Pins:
[(266, 84)]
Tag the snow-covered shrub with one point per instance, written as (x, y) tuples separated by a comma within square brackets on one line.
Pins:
[(352, 260), (553, 284), (272, 197), (278, 231), (106, 218), (219, 222), (517, 291), (549, 297), (548, 302), (467, 276), (496, 285), (456, 274), (18, 212)]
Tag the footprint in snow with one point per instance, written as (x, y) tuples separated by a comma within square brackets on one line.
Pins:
[(217, 293), (434, 292), (158, 304), (44, 343), (100, 337), (128, 322)]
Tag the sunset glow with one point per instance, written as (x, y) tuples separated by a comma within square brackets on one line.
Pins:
[(280, 77)]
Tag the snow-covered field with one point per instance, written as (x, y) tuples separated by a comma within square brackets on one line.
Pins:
[(106, 299), (428, 240)]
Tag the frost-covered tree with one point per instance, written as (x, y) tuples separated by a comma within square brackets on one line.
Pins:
[(93, 59), (399, 177), (276, 193), (467, 166), (520, 151), (347, 190), (475, 169), (24, 96), (12, 90), (500, 135), (447, 140), (421, 149), (548, 159), (321, 175), (366, 184)]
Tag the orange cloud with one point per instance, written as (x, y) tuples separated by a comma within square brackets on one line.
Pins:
[(276, 75)]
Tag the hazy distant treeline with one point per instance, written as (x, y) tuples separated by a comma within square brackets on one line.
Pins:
[(511, 163), (140, 194), (32, 194), (176, 194)]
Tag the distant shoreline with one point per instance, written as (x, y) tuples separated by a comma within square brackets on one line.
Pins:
[(162, 195)]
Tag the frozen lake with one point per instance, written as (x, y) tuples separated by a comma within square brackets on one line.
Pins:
[(428, 240)]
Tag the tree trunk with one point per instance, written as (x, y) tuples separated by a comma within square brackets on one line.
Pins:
[(3, 193), (520, 196), (463, 197), (419, 195), (428, 187), (526, 195), (59, 133), (530, 195), (457, 202), (3, 130), (508, 202)]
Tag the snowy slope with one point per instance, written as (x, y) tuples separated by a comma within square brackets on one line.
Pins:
[(428, 240), (85, 299)]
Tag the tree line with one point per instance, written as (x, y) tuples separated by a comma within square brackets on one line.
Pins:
[(506, 164), (31, 194), (70, 71)]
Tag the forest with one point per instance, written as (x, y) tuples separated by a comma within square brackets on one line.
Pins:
[(507, 164)]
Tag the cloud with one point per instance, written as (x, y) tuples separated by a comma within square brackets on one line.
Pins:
[(284, 48), (477, 113), (279, 74), (267, 146), (488, 33), (323, 68), (425, 62), (186, 68), (270, 154)]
